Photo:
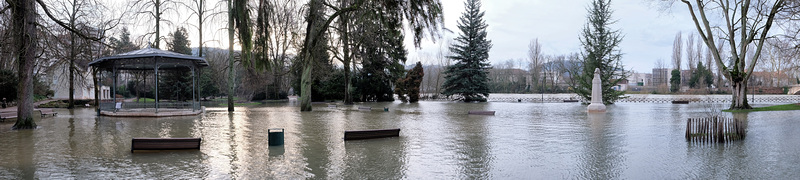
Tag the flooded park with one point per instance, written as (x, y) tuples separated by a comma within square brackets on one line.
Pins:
[(438, 140)]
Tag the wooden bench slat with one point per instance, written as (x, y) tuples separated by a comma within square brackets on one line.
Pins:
[(680, 102), (7, 115), (370, 134), (481, 112), (46, 112), (165, 143)]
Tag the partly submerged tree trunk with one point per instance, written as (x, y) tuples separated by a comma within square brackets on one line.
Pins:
[(72, 55), (24, 29), (97, 90), (739, 91), (313, 30), (345, 35), (230, 57), (753, 29), (348, 98), (305, 84)]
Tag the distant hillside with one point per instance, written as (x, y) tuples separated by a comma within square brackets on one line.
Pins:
[(195, 50)]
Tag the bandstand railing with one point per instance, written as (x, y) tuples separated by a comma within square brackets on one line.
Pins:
[(110, 105)]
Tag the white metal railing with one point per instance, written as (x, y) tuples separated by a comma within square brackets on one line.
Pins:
[(110, 105)]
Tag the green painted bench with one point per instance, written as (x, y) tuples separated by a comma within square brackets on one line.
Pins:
[(164, 143), (371, 134)]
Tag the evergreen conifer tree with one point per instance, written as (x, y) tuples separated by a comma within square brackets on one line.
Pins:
[(601, 50), (407, 88), (675, 81), (413, 81), (177, 85), (468, 77), (701, 77)]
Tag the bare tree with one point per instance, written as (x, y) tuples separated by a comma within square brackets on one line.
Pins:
[(778, 62), (661, 78), (676, 51), (78, 14), (746, 25), (277, 27), (571, 66), (203, 13), (536, 60), (441, 58), (691, 54), (153, 11), (24, 23), (709, 59), (286, 37)]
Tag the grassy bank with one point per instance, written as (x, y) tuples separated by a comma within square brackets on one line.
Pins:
[(784, 107)]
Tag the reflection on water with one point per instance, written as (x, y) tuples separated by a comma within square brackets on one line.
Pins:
[(602, 153), (438, 140)]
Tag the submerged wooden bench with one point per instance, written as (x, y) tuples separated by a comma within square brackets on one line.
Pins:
[(680, 102), (481, 112), (46, 112), (164, 143), (371, 134), (7, 115)]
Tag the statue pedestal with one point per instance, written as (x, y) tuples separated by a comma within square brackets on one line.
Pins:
[(597, 105), (596, 108)]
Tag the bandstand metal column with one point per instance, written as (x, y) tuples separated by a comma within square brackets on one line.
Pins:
[(193, 88), (114, 88), (156, 77)]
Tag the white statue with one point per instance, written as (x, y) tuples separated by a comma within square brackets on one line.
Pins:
[(596, 105)]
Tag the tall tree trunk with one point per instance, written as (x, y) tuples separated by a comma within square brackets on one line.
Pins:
[(230, 56), (97, 90), (278, 81), (739, 91), (348, 88), (200, 12), (158, 24), (312, 31), (71, 104), (305, 84), (24, 29), (345, 31)]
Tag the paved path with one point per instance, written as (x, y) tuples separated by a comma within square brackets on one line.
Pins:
[(14, 108)]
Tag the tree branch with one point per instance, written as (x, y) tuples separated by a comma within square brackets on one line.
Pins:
[(64, 25), (778, 4), (708, 38)]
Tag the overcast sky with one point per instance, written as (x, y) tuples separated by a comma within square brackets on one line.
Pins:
[(647, 29)]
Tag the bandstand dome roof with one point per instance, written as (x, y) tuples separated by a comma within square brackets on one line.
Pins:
[(148, 59)]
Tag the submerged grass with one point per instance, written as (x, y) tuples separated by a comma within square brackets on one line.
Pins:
[(784, 107)]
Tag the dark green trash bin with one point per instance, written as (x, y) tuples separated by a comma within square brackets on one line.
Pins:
[(275, 137)]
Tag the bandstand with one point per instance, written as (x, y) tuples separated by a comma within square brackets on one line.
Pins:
[(144, 61)]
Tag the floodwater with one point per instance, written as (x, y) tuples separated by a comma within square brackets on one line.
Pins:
[(438, 140)]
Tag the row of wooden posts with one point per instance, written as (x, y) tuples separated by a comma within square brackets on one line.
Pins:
[(714, 130)]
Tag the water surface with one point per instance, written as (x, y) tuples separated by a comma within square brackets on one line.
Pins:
[(438, 140)]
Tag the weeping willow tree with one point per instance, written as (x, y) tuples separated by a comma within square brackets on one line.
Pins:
[(422, 16), (238, 21)]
